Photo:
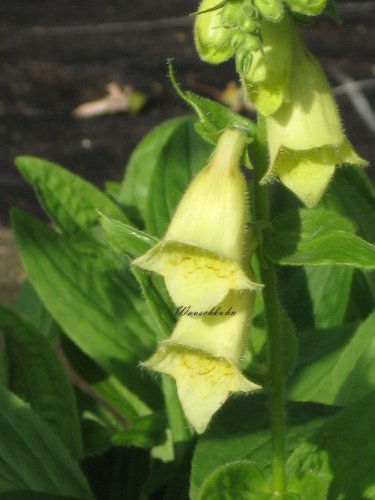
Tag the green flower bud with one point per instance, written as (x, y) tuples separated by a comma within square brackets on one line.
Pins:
[(307, 7), (243, 60), (237, 39), (271, 10), (267, 80), (248, 24), (211, 37), (230, 13)]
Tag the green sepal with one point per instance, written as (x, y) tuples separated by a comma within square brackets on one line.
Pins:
[(213, 117)]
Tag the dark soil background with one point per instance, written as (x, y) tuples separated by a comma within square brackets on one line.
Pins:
[(56, 55)]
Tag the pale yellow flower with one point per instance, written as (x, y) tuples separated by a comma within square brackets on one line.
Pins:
[(203, 356), (201, 255), (305, 136)]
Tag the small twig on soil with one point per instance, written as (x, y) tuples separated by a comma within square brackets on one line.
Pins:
[(117, 100)]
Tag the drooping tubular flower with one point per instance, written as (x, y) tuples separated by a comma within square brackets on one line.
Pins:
[(201, 255), (305, 136), (203, 356)]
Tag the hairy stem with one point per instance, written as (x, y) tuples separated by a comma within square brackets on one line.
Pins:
[(271, 306)]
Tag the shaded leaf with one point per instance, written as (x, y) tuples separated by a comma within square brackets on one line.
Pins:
[(341, 374), (37, 376), (240, 431), (242, 480), (343, 452), (318, 236), (31, 456), (101, 311)]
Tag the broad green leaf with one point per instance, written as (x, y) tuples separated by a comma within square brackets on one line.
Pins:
[(29, 305), (310, 296), (240, 480), (353, 195), (37, 376), (135, 187), (343, 452), (323, 283), (31, 456), (182, 156), (213, 117), (318, 236), (343, 369), (101, 311), (69, 200), (131, 242), (240, 431), (309, 485)]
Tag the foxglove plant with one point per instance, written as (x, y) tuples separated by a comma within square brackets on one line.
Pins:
[(176, 300)]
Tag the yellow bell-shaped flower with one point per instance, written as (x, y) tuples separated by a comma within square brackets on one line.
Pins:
[(305, 136), (203, 356), (201, 255)]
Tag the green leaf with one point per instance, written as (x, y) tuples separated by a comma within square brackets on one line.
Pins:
[(318, 236), (309, 486), (146, 432), (315, 287), (37, 376), (240, 480), (180, 159), (129, 241), (31, 456), (343, 452), (135, 187), (213, 117), (126, 239), (69, 200), (343, 369), (30, 306), (240, 431), (100, 310)]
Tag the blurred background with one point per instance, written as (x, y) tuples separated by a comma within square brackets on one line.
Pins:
[(59, 55)]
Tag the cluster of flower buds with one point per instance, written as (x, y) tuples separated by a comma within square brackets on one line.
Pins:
[(232, 27), (204, 262), (227, 29)]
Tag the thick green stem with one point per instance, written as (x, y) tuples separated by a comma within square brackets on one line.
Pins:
[(275, 354)]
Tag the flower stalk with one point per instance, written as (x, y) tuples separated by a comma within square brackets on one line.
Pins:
[(272, 315)]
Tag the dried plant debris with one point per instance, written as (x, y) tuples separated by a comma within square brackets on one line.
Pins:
[(117, 100)]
